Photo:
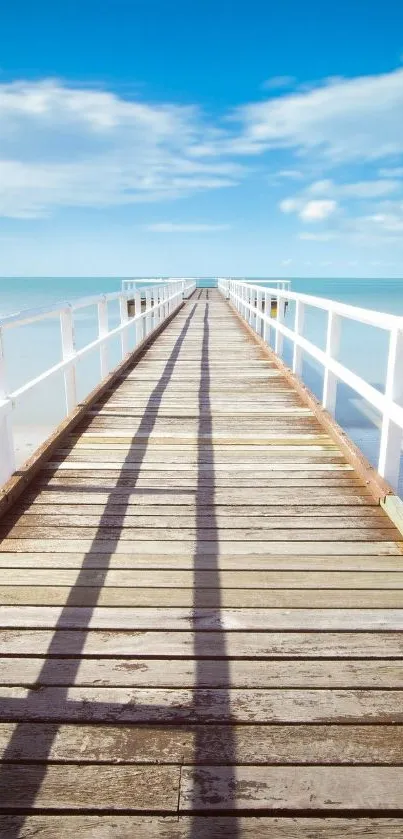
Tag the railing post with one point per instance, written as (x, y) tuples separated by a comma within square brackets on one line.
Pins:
[(157, 299), (102, 332), (267, 312), (124, 318), (137, 312), (68, 352), (250, 301), (298, 329), (148, 308), (259, 319), (392, 434), (332, 347), (280, 318), (7, 457)]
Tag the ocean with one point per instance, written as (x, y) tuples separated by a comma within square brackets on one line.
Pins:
[(31, 349)]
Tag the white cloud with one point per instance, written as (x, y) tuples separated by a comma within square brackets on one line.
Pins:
[(317, 210), (344, 119), (66, 146), (290, 205), (286, 261), (173, 227), (309, 211)]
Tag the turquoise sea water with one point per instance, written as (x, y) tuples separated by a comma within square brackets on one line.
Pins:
[(31, 349)]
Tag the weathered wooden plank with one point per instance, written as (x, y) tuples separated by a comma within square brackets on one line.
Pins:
[(170, 644), (287, 444), (276, 490), (225, 461), (98, 787), (199, 827), (189, 673), (47, 617), (212, 548), (164, 562), (337, 494), (20, 595), (207, 471), (320, 478), (181, 705), (209, 579), (280, 789), (213, 744), (213, 521), (198, 461), (336, 533), (162, 515)]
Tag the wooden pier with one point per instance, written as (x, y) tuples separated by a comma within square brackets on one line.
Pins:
[(201, 611)]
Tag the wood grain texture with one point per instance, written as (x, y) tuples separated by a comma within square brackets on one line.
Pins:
[(201, 612), (152, 672), (181, 644), (180, 706), (213, 619), (259, 745), (281, 788), (199, 827)]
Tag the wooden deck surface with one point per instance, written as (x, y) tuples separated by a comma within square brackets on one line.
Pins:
[(201, 614)]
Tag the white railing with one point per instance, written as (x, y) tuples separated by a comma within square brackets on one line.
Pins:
[(253, 303), (160, 302), (275, 285), (140, 283)]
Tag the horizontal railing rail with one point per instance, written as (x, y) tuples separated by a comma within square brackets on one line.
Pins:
[(275, 285), (160, 302), (253, 302), (141, 283)]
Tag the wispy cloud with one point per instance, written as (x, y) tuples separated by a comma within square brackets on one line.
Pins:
[(69, 146), (392, 172), (361, 189), (344, 119), (173, 227), (66, 146)]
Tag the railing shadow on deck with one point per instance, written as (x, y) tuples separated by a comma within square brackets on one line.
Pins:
[(21, 779)]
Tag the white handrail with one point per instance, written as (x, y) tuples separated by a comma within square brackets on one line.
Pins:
[(253, 302), (140, 283), (161, 301)]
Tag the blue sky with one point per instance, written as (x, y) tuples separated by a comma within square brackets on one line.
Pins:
[(148, 137)]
